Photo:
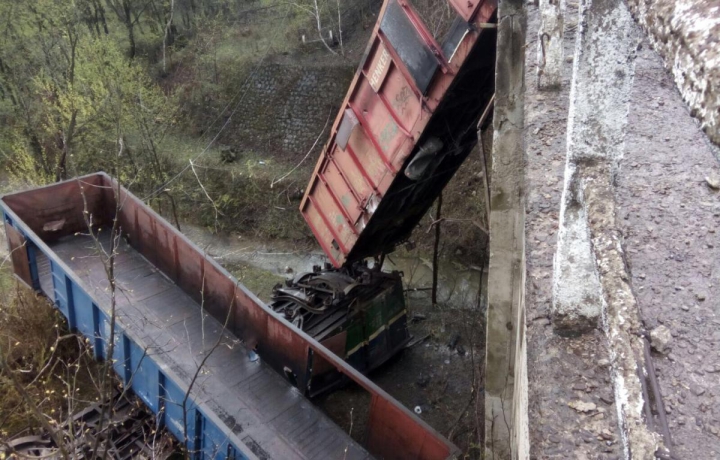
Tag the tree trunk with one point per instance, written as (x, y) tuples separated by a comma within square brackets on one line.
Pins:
[(61, 172), (130, 27), (100, 12)]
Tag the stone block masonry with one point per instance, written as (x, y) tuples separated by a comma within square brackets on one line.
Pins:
[(287, 106), (686, 33)]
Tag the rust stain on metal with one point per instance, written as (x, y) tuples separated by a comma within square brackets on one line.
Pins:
[(408, 90), (393, 430)]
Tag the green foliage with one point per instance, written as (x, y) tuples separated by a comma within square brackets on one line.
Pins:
[(23, 167), (244, 199), (132, 87), (73, 97)]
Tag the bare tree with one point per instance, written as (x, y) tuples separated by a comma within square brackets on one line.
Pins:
[(107, 257), (168, 27), (315, 12)]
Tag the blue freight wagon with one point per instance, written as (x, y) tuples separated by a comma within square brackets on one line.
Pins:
[(182, 321)]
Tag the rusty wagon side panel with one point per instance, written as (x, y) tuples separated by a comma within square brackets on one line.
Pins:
[(47, 216), (413, 100)]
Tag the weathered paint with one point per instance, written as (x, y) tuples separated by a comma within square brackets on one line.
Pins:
[(400, 434), (399, 85)]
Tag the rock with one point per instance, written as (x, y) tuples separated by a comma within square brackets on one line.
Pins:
[(582, 406), (685, 308), (700, 296), (713, 181), (661, 339), (603, 362)]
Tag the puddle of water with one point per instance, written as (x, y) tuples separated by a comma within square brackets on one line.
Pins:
[(457, 284)]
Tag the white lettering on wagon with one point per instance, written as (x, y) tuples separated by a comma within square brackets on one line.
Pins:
[(377, 76)]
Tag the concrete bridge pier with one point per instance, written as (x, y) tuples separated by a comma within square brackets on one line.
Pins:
[(506, 422)]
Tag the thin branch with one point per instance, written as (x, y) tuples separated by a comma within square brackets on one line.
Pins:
[(33, 406), (209, 353), (217, 212), (436, 250)]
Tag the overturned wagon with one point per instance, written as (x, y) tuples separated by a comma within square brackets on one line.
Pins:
[(409, 120), (177, 313), (406, 125)]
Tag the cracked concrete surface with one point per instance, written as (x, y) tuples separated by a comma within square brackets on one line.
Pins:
[(590, 275), (646, 238), (597, 119), (621, 319)]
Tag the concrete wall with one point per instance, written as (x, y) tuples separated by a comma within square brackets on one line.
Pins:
[(506, 422), (590, 272)]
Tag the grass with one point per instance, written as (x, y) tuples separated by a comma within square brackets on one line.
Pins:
[(59, 375), (242, 192), (259, 282)]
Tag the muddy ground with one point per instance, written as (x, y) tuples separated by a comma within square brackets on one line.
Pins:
[(440, 378)]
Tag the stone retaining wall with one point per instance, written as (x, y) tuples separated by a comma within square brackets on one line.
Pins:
[(287, 106), (686, 33)]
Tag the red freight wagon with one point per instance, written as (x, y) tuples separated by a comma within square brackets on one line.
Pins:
[(406, 125)]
